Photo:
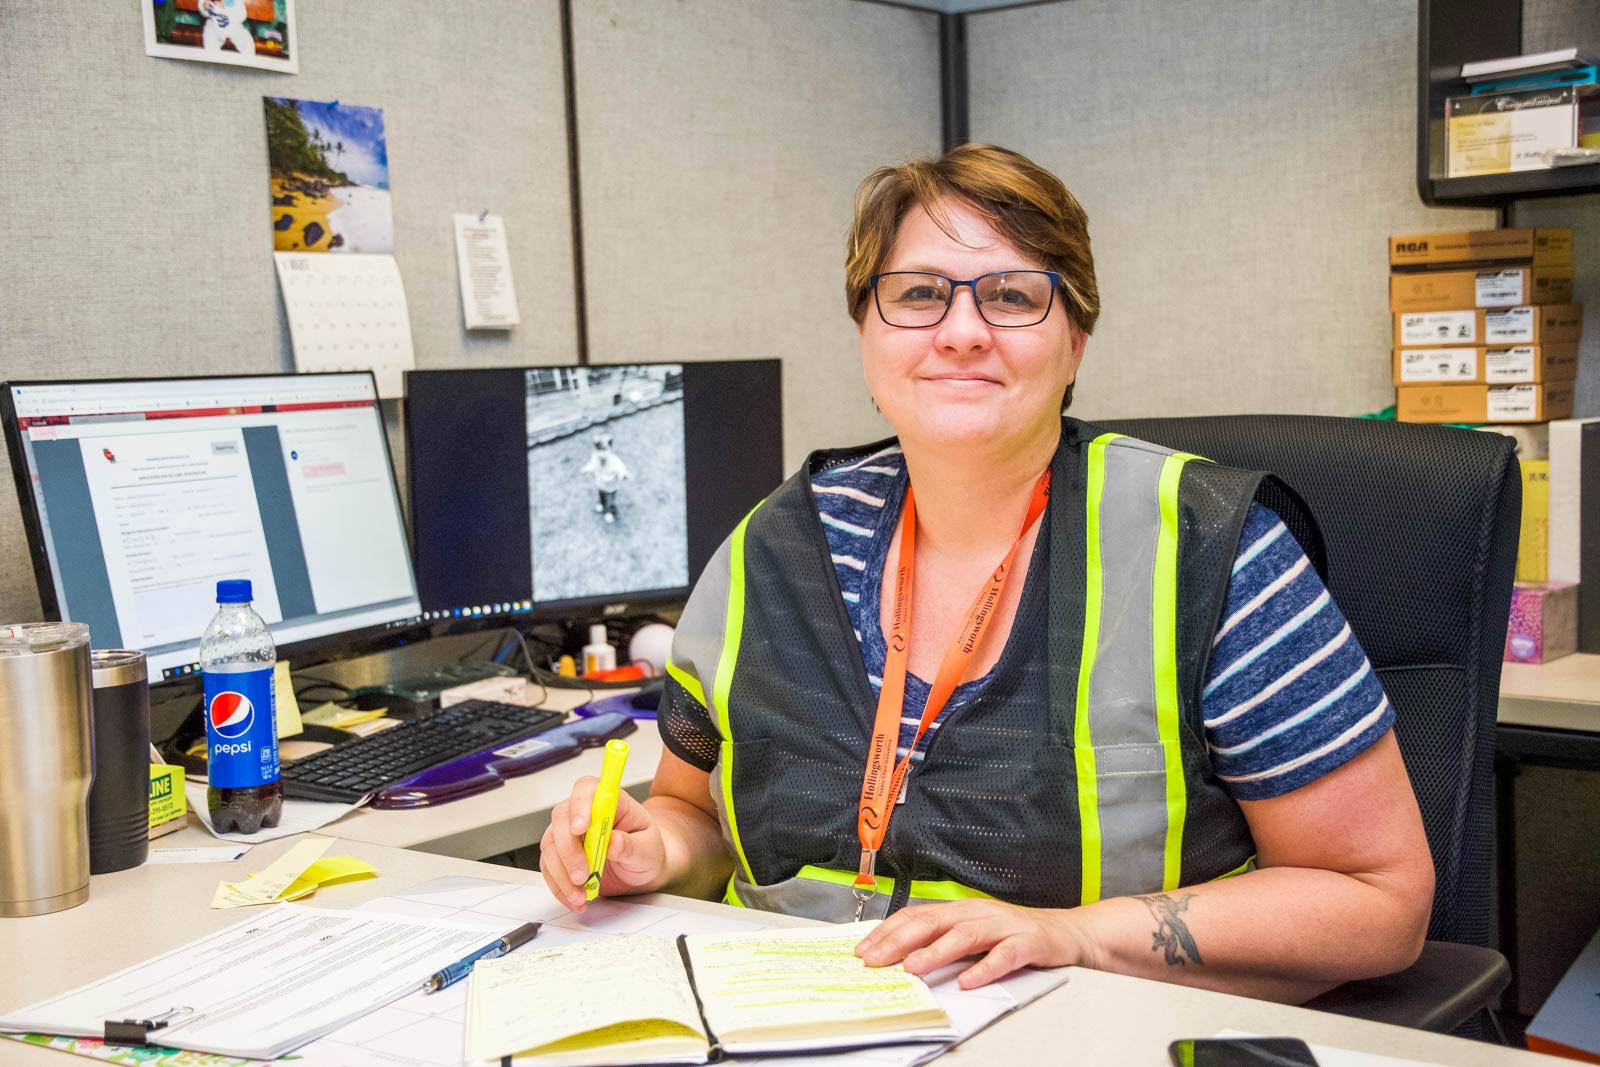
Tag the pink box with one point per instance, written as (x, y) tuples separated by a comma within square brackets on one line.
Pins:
[(1544, 622)]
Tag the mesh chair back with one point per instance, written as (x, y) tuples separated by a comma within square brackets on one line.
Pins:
[(1420, 526)]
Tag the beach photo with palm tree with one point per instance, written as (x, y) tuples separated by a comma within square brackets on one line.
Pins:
[(329, 177)]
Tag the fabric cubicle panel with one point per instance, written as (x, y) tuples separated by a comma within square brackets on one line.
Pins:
[(1242, 164), (720, 145), (133, 192)]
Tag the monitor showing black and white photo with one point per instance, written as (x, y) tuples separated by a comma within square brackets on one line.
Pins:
[(606, 480), (567, 491)]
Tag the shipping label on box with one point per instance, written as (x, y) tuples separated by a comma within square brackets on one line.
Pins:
[(1499, 132), (1504, 365), (1530, 363), (1512, 403), (1436, 365), (1533, 325), (1414, 329), (1539, 402), (1500, 287), (1537, 247)]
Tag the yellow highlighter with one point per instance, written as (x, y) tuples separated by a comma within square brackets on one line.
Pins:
[(602, 813)]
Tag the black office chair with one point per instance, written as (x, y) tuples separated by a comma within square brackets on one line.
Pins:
[(1420, 526)]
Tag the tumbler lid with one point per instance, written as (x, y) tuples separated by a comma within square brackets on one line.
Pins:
[(116, 666), (38, 638)]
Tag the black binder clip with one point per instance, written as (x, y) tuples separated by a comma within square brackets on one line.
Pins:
[(137, 1031)]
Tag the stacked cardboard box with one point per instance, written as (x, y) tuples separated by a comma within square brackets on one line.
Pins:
[(1484, 327), (1485, 331)]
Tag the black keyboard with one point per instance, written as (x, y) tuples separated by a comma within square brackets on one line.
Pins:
[(360, 767)]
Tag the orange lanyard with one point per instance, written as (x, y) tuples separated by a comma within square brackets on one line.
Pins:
[(882, 781)]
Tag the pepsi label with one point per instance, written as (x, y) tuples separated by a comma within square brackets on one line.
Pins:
[(241, 729)]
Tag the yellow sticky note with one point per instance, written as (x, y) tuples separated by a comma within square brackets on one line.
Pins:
[(281, 873), (331, 714), (288, 707), (330, 870)]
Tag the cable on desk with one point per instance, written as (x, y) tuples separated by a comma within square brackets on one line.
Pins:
[(533, 667)]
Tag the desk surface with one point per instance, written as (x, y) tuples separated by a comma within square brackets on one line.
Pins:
[(1563, 694), (1095, 1018)]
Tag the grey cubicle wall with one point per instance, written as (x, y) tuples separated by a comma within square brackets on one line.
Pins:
[(133, 191), (721, 145), (714, 135), (1242, 164)]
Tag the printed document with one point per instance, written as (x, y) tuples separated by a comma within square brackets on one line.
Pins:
[(488, 298), (266, 985)]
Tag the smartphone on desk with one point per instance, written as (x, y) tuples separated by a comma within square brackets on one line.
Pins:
[(1241, 1052)]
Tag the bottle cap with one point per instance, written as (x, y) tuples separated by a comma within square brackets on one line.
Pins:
[(597, 634), (234, 591)]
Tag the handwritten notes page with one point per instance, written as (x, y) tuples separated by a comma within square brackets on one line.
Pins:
[(805, 988), (616, 1000)]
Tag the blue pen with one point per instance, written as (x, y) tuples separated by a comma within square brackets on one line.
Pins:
[(463, 967)]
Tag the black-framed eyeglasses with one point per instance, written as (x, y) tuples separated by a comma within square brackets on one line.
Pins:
[(914, 299)]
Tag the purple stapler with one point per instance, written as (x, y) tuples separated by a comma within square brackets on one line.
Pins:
[(489, 768)]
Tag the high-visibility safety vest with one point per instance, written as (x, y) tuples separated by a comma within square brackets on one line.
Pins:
[(1079, 771)]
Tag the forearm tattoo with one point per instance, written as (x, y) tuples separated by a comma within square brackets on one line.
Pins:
[(1172, 934)]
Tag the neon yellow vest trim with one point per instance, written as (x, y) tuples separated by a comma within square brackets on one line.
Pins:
[(1164, 613), (1082, 738), (687, 680), (920, 890), (724, 679)]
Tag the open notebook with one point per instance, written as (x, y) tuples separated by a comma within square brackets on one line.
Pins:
[(649, 1000)]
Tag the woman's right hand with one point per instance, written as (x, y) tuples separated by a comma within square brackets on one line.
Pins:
[(635, 860)]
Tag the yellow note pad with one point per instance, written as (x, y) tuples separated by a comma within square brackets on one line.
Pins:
[(269, 885), (331, 714), (288, 708), (329, 870)]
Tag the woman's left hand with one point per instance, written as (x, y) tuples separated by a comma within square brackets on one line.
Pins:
[(928, 936)]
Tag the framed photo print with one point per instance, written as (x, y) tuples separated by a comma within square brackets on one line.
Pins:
[(243, 33)]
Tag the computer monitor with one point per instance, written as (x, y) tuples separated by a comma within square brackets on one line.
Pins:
[(138, 495), (556, 492)]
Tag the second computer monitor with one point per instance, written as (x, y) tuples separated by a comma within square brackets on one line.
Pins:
[(549, 490)]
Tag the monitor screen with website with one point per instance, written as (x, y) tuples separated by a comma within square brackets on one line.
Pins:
[(138, 495), (554, 491)]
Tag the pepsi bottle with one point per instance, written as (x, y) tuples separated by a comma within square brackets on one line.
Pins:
[(237, 657)]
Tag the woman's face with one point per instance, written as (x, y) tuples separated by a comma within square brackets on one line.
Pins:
[(963, 381)]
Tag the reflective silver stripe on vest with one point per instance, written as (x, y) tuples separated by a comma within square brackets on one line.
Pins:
[(697, 642), (808, 897), (1130, 765)]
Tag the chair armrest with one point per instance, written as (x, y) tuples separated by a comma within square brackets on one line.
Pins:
[(1447, 986)]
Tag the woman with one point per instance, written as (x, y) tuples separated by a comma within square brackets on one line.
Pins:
[(1078, 698)]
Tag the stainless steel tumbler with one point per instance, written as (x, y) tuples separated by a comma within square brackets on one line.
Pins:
[(45, 753), (119, 800)]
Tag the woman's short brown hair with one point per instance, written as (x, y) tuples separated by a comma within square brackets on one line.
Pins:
[(1025, 203)]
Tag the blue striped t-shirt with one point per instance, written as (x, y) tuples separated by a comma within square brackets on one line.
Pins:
[(1289, 694)]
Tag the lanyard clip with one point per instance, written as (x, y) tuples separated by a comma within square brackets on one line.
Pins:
[(866, 883)]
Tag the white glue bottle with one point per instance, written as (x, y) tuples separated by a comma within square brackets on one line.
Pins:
[(598, 655)]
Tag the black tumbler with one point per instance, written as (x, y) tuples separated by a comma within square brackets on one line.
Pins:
[(119, 800)]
